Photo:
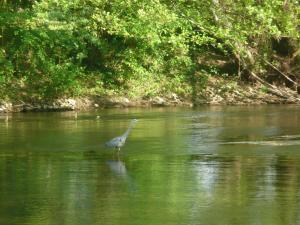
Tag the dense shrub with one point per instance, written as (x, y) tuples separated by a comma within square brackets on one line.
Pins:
[(53, 48)]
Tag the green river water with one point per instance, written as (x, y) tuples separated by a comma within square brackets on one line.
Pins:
[(209, 165)]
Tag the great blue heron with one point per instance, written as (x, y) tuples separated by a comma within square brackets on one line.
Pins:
[(118, 142)]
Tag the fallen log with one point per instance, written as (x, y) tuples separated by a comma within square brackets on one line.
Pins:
[(272, 89)]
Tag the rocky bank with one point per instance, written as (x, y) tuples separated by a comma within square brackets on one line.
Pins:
[(217, 92)]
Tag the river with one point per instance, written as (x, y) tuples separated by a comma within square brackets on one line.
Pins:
[(209, 165)]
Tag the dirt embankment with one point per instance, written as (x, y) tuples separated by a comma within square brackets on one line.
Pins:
[(217, 92)]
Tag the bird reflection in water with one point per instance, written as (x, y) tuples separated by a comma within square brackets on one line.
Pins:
[(119, 169)]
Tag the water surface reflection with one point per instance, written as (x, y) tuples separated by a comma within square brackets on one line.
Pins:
[(232, 165)]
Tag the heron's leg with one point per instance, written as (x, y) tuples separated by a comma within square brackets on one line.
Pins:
[(114, 152), (119, 149)]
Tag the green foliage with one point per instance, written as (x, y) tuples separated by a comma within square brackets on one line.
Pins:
[(54, 48)]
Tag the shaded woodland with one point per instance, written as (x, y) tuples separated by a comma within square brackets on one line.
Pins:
[(51, 49)]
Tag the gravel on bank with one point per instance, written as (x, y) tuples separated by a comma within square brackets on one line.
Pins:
[(217, 92)]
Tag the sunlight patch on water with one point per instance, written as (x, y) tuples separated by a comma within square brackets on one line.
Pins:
[(266, 143)]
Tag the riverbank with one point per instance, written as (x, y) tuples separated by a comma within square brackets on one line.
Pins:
[(217, 92)]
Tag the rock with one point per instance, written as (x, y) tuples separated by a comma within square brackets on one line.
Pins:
[(158, 101), (64, 104), (175, 99), (71, 103), (118, 102), (216, 99), (8, 105), (174, 96), (28, 107), (5, 107), (126, 100)]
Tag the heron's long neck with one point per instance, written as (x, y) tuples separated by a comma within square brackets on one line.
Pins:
[(128, 131)]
